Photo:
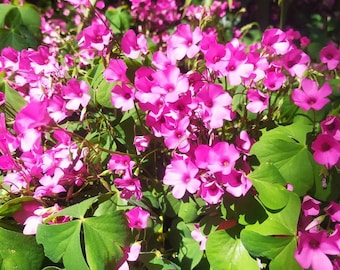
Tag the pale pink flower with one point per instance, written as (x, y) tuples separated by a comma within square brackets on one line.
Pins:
[(274, 80), (50, 185), (235, 183), (296, 62), (76, 94), (223, 157), (182, 175), (197, 235), (258, 101), (122, 97), (216, 105), (116, 71), (184, 42)]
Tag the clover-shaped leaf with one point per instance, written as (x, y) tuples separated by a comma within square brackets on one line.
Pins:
[(94, 242)]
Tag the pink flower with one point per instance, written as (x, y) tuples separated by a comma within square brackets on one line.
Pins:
[(275, 41), (310, 206), (222, 158), (130, 187), (243, 142), (138, 218), (235, 183), (96, 36), (182, 175), (296, 61), (116, 71), (121, 164), (274, 80), (312, 251), (310, 97), (258, 101), (133, 45), (122, 97), (184, 42), (331, 126), (170, 83), (330, 55), (199, 237), (76, 93), (326, 150), (132, 255), (211, 192), (333, 209), (50, 185), (141, 143), (216, 105)]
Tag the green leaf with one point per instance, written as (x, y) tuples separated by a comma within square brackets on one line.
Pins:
[(271, 246), (77, 210), (188, 211), (105, 236), (155, 261), (18, 251), (285, 147), (286, 258), (4, 9), (279, 249), (10, 38), (30, 18), (226, 253), (119, 18), (100, 87), (269, 184), (13, 18), (189, 253), (14, 101), (283, 222), (101, 238), (62, 241)]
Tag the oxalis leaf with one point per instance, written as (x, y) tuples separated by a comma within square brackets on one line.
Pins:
[(285, 147), (226, 253), (18, 251), (269, 184), (283, 222), (87, 242), (279, 249)]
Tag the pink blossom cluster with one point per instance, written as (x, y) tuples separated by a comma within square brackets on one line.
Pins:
[(318, 247)]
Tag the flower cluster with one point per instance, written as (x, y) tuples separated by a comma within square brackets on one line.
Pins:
[(316, 243)]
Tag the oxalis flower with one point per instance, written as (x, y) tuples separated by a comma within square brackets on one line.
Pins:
[(313, 249), (310, 97), (326, 150)]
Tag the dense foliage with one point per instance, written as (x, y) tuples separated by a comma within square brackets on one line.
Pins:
[(168, 135)]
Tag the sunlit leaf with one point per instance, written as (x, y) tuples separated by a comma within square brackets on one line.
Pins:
[(18, 251), (269, 183), (285, 148), (226, 253)]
